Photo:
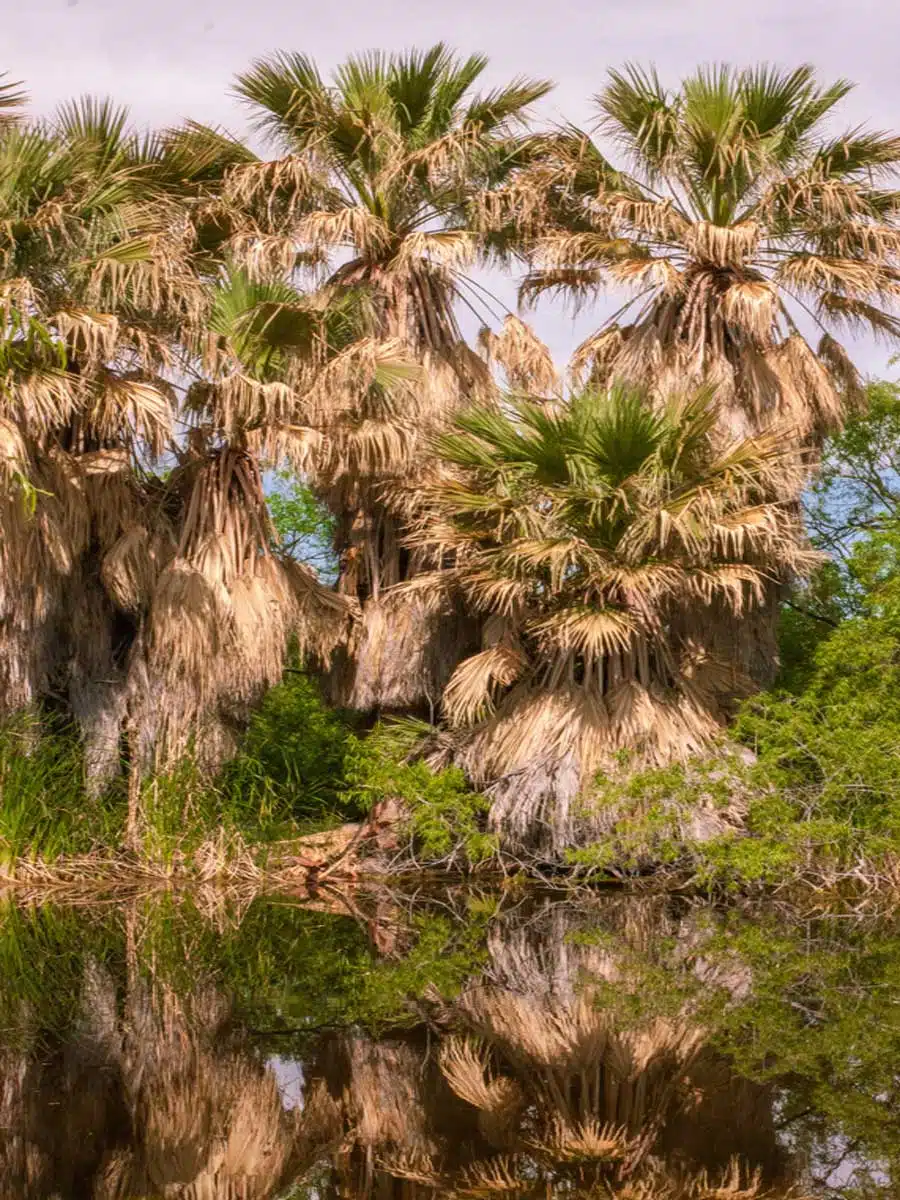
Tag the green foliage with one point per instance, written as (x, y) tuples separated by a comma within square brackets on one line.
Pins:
[(857, 490), (852, 511), (654, 809), (818, 1019), (261, 321), (303, 523), (823, 795), (291, 764), (43, 954), (45, 809), (810, 615), (288, 775), (443, 955), (300, 766), (446, 818), (285, 968), (286, 779)]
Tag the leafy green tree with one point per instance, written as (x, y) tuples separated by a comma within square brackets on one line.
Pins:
[(302, 522), (856, 491), (852, 510)]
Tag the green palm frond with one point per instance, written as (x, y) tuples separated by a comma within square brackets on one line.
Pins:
[(261, 321), (284, 93), (95, 121), (201, 154), (13, 99)]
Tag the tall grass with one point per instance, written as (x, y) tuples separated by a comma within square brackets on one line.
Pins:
[(301, 767), (45, 808), (287, 779)]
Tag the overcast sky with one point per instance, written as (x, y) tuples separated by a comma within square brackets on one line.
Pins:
[(175, 58)]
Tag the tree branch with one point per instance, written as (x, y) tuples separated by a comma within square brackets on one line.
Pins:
[(807, 612)]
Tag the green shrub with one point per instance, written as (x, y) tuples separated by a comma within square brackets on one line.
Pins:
[(822, 797), (291, 763), (446, 818), (300, 766)]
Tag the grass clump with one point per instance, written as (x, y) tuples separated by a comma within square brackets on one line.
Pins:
[(45, 808), (292, 762)]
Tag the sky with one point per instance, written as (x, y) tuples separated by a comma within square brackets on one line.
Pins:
[(177, 58)]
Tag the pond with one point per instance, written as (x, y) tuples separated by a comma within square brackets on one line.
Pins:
[(460, 1042)]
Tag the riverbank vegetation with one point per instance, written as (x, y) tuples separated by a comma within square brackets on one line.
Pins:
[(283, 548)]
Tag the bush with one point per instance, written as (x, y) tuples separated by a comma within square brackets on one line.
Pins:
[(823, 796), (445, 817), (301, 766), (292, 760)]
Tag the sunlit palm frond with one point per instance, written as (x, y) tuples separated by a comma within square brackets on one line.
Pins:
[(741, 213), (646, 530)]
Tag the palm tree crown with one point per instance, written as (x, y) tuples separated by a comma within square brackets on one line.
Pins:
[(383, 164), (92, 282), (157, 601), (600, 540), (736, 219)]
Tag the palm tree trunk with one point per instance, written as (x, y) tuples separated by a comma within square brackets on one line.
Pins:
[(402, 657)]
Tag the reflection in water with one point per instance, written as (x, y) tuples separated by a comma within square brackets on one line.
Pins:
[(536, 1079), (160, 1098), (530, 1084)]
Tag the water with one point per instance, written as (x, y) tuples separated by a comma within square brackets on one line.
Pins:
[(469, 1044)]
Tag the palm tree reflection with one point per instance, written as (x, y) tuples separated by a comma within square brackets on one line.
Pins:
[(528, 1084)]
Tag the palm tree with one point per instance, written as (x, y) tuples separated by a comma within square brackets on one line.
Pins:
[(736, 220), (152, 606), (216, 600), (91, 268), (599, 541), (375, 193)]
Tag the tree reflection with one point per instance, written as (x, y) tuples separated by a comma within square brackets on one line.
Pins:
[(540, 1078)]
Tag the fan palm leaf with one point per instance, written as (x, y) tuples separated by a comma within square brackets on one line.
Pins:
[(738, 220), (609, 537)]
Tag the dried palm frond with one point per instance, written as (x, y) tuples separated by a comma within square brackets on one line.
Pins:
[(525, 360), (465, 1065), (469, 693), (729, 223), (611, 537), (495, 1175), (415, 1168), (587, 1140), (129, 569)]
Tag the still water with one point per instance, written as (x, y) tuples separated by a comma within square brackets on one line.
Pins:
[(466, 1044)]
